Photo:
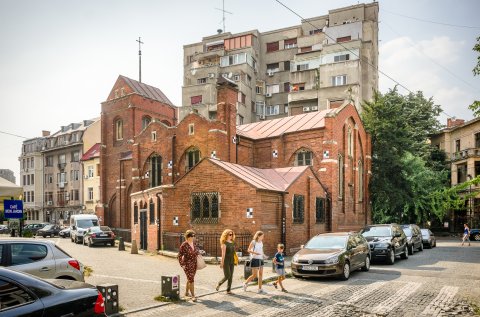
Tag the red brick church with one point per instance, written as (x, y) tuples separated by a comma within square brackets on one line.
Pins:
[(292, 177)]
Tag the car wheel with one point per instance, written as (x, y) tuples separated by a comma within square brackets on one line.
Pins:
[(421, 246), (410, 250), (112, 243), (404, 255), (366, 266), (346, 271), (391, 257), (476, 237)]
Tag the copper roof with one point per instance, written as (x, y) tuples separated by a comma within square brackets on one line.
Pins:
[(147, 90), (277, 127), (274, 179), (93, 152)]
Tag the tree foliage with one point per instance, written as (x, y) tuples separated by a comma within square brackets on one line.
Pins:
[(406, 170), (475, 106)]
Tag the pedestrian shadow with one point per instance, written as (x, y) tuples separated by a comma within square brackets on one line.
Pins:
[(225, 306)]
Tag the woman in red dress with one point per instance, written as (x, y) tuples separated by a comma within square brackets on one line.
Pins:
[(187, 256)]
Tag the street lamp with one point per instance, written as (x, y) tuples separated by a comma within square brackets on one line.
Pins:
[(469, 200)]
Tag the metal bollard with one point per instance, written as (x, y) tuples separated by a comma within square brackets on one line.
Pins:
[(110, 298), (171, 287), (121, 244)]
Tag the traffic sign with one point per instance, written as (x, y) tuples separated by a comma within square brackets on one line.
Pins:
[(13, 209)]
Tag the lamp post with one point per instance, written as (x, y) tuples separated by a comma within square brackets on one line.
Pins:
[(469, 220)]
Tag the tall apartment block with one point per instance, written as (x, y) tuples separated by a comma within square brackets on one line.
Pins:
[(322, 63), (31, 177)]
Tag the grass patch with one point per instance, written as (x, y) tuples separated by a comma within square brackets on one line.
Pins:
[(164, 299), (476, 309), (87, 271), (121, 308)]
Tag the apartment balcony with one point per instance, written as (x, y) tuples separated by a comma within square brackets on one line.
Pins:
[(301, 95), (465, 154), (62, 166)]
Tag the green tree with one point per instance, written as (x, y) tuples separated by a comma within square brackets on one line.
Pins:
[(475, 106), (405, 168)]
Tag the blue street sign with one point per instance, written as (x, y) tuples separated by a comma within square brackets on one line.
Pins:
[(13, 209)]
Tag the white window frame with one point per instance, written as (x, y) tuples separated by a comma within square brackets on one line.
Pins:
[(90, 171), (273, 89), (90, 193), (272, 110), (339, 80)]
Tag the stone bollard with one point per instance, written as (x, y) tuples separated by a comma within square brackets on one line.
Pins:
[(134, 247), (121, 244)]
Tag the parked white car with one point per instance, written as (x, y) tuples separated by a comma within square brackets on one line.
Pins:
[(80, 224)]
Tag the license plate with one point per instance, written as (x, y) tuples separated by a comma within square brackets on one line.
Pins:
[(310, 268), (104, 235)]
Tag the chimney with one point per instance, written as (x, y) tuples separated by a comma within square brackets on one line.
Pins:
[(453, 122), (227, 96), (45, 133)]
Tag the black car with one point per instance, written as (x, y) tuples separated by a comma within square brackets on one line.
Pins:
[(414, 237), (386, 242), (65, 233), (49, 230), (99, 235), (428, 238), (475, 234), (23, 294), (34, 227)]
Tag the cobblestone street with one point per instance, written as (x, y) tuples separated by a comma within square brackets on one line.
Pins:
[(435, 282)]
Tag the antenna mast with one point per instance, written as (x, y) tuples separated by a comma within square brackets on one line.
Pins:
[(223, 14), (139, 59)]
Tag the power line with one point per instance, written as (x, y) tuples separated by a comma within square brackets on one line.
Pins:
[(433, 22), (16, 135), (412, 44), (352, 52)]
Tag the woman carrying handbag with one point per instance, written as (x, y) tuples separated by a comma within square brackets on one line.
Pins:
[(190, 258)]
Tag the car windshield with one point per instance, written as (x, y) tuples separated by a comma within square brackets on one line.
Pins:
[(105, 228), (95, 229), (327, 242), (48, 227), (376, 232), (408, 231), (425, 232), (87, 223)]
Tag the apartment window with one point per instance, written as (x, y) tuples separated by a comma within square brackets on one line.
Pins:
[(75, 156), (154, 135), (62, 159), (155, 173), (304, 158), (350, 141), (202, 80), (28, 179), (191, 129), (457, 145), (75, 195), (461, 173), (298, 208), (285, 108), (249, 79), (259, 90), (23, 164), (135, 213), (119, 130), (204, 207), (24, 180), (286, 87), (260, 107), (341, 58), (239, 119), (194, 100), (235, 59), (151, 212), (360, 180), (254, 109), (146, 121), (274, 67), (286, 66), (341, 173), (31, 163), (344, 39), (477, 140), (339, 80), (273, 89), (320, 210), (192, 158), (316, 31), (305, 49), (90, 171), (272, 110), (32, 182), (241, 97), (272, 47), (477, 168), (74, 175), (98, 169), (32, 196), (49, 161), (298, 87), (301, 67), (236, 77), (74, 137), (61, 177), (290, 43), (90, 193)]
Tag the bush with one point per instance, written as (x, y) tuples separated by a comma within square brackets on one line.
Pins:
[(27, 234)]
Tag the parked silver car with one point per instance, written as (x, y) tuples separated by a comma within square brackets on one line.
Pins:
[(41, 258)]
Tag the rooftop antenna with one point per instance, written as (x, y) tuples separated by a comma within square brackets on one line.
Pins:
[(223, 14), (139, 59)]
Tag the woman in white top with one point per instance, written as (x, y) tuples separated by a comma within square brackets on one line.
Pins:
[(257, 256)]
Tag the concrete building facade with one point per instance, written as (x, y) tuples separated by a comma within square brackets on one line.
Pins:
[(323, 63), (91, 167)]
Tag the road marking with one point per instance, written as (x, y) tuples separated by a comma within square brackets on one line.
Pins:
[(442, 301), (396, 299)]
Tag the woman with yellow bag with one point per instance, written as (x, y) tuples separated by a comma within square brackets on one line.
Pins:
[(229, 258)]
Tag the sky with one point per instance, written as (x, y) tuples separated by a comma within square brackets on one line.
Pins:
[(59, 59)]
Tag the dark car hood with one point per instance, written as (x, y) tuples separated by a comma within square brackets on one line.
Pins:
[(318, 254), (69, 284), (379, 239)]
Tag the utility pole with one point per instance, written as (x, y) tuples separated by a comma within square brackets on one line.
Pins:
[(139, 59)]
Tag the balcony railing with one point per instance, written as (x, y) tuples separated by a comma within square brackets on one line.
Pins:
[(466, 153)]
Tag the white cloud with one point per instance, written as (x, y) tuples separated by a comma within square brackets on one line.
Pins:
[(407, 62)]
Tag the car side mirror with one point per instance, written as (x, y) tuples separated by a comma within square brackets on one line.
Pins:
[(302, 246)]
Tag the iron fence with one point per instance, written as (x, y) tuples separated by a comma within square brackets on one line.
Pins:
[(125, 234), (208, 242)]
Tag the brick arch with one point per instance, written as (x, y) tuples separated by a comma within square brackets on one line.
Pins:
[(145, 167), (111, 210), (166, 122), (146, 120), (292, 157), (181, 162)]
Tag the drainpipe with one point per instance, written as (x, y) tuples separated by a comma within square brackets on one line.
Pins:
[(309, 218), (120, 193), (173, 158), (159, 223), (283, 226), (236, 149)]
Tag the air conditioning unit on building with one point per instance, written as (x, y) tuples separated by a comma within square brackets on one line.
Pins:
[(314, 108), (306, 109), (211, 75), (49, 203), (270, 72), (268, 94), (262, 117)]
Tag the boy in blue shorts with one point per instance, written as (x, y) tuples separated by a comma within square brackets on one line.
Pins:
[(279, 261)]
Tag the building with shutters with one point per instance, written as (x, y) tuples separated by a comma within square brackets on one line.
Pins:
[(323, 63)]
